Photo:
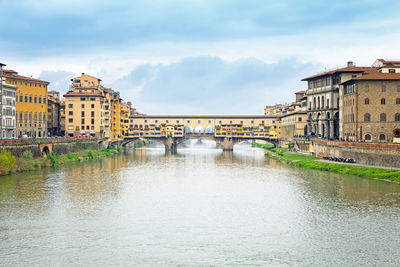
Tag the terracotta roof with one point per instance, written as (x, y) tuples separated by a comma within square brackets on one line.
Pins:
[(347, 69), (377, 76), (301, 92), (389, 61), (12, 74)]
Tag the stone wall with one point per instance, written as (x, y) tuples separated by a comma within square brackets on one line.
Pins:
[(17, 147), (377, 154)]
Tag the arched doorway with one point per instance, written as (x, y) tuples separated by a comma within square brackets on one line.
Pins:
[(396, 136)]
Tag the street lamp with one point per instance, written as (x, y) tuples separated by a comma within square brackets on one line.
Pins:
[(1, 98)]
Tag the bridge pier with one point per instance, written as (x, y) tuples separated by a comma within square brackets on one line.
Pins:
[(227, 145), (171, 145)]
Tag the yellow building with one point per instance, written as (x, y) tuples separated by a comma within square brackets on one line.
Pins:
[(84, 107), (116, 131), (31, 104), (125, 110)]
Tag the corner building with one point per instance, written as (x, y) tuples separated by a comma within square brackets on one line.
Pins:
[(323, 98), (31, 104), (371, 108)]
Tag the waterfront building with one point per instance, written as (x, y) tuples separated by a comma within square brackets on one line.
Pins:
[(294, 119), (31, 104), (53, 111), (62, 117), (84, 107), (7, 110), (371, 108), (116, 130), (125, 112), (323, 99)]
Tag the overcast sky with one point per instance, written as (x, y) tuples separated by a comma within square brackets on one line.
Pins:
[(199, 56)]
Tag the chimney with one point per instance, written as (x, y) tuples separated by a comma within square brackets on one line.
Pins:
[(350, 64), (84, 73)]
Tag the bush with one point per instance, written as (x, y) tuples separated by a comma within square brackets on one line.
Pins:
[(7, 161), (53, 159), (27, 155)]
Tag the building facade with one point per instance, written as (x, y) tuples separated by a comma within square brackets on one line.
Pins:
[(31, 104), (371, 108), (8, 110), (323, 98), (53, 111)]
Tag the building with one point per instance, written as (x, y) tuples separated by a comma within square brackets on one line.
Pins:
[(293, 118), (62, 118), (371, 107), (84, 107), (324, 100), (53, 111), (31, 104), (7, 110)]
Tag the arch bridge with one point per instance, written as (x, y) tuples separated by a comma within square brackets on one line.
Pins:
[(226, 131)]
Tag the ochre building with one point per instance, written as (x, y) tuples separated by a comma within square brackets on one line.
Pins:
[(31, 104)]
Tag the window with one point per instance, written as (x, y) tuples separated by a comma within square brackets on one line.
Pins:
[(367, 137), (398, 88), (366, 88), (167, 121), (383, 101), (70, 113), (92, 114), (397, 117), (397, 100), (83, 121), (92, 121), (83, 106), (44, 116), (382, 137), (382, 117), (83, 98), (87, 127), (21, 98), (299, 119), (92, 106), (383, 88), (44, 100), (83, 114), (367, 101), (30, 99), (392, 71), (70, 105), (367, 117), (177, 121), (40, 100), (188, 121), (35, 100), (70, 120)]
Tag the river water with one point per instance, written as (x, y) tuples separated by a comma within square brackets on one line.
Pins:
[(201, 207)]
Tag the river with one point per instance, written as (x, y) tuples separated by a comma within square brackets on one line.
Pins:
[(201, 207)]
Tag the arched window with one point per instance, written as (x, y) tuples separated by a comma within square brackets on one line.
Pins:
[(327, 103), (397, 100), (382, 137), (367, 137), (315, 103), (319, 103), (383, 101), (396, 133), (367, 117), (367, 101), (323, 102), (397, 117), (382, 117)]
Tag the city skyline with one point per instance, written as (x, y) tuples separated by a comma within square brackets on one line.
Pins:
[(174, 57)]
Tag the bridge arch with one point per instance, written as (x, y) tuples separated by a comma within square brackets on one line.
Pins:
[(188, 129), (209, 129), (199, 129)]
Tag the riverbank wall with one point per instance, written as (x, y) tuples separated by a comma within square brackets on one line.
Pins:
[(374, 154), (39, 147)]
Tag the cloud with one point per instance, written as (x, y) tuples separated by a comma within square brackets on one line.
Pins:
[(210, 85), (59, 80)]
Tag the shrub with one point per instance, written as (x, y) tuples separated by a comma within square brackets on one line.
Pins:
[(53, 159), (7, 161), (27, 154)]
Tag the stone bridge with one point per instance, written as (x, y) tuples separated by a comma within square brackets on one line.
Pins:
[(226, 142)]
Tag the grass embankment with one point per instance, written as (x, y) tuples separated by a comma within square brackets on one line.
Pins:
[(310, 162), (10, 164)]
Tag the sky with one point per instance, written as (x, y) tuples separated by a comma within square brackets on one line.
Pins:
[(195, 56)]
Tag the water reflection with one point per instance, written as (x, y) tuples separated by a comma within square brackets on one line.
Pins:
[(202, 206)]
